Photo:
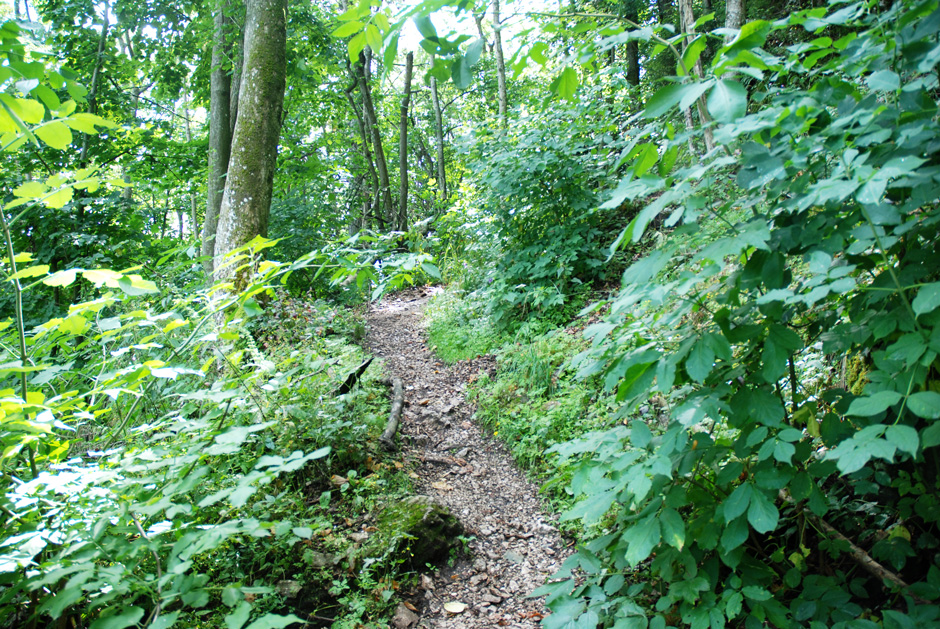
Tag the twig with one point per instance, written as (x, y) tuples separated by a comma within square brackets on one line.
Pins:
[(856, 552), (398, 402)]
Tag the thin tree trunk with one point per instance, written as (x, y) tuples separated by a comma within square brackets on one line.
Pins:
[(403, 147), (220, 135), (193, 209), (439, 137), (500, 64), (364, 136), (687, 22), (478, 20), (246, 202), (633, 46), (368, 108), (95, 77)]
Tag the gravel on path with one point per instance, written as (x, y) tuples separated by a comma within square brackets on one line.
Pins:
[(515, 546)]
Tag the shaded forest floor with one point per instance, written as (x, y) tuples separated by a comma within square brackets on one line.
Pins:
[(513, 546)]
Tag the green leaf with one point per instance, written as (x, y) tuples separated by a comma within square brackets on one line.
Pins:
[(927, 299), (431, 269), (925, 404), (238, 618), (737, 502), (33, 271), (727, 101), (904, 437), (61, 278), (356, 45), (474, 51), (641, 539), (663, 100), (645, 159), (273, 621), (347, 29), (762, 514), (884, 81), (460, 73), (640, 435), (567, 83), (700, 361), (55, 134), (930, 436), (874, 404), (128, 617), (735, 534), (391, 51), (165, 621), (673, 528), (373, 37), (426, 27), (692, 53), (31, 190)]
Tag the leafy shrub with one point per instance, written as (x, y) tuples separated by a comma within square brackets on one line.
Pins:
[(774, 495)]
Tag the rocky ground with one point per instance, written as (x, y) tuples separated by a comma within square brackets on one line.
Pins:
[(513, 545)]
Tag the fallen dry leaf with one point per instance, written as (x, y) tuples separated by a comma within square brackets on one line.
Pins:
[(410, 606), (441, 485)]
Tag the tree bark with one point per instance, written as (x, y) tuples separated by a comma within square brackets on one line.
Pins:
[(500, 65), (95, 78), (478, 20), (687, 24), (439, 138), (220, 136), (735, 14), (368, 109), (403, 147), (633, 46), (246, 201)]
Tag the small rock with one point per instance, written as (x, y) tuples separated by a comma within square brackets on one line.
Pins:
[(489, 598), (478, 579), (359, 537), (404, 617), (479, 564), (288, 589), (427, 583)]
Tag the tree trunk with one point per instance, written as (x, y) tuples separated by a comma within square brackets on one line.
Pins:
[(500, 65), (403, 147), (633, 46), (687, 24), (220, 137), (95, 78), (246, 202), (478, 20), (368, 109), (439, 137), (736, 13)]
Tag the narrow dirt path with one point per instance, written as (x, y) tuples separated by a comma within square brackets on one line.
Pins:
[(515, 545)]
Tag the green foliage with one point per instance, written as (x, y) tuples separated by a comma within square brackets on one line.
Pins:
[(541, 192), (825, 247), (458, 328)]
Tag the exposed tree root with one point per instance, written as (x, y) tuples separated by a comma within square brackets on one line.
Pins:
[(398, 402)]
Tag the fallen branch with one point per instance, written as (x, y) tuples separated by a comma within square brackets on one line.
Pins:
[(398, 402), (856, 552), (352, 378)]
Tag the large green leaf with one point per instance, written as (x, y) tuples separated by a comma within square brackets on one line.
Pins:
[(727, 101), (927, 299), (641, 539), (126, 617)]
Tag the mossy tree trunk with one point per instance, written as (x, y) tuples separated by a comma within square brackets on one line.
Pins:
[(220, 132), (246, 201)]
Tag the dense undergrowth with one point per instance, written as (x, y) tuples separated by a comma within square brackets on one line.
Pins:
[(744, 432)]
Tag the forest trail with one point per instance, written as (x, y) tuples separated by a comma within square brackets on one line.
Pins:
[(515, 545)]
